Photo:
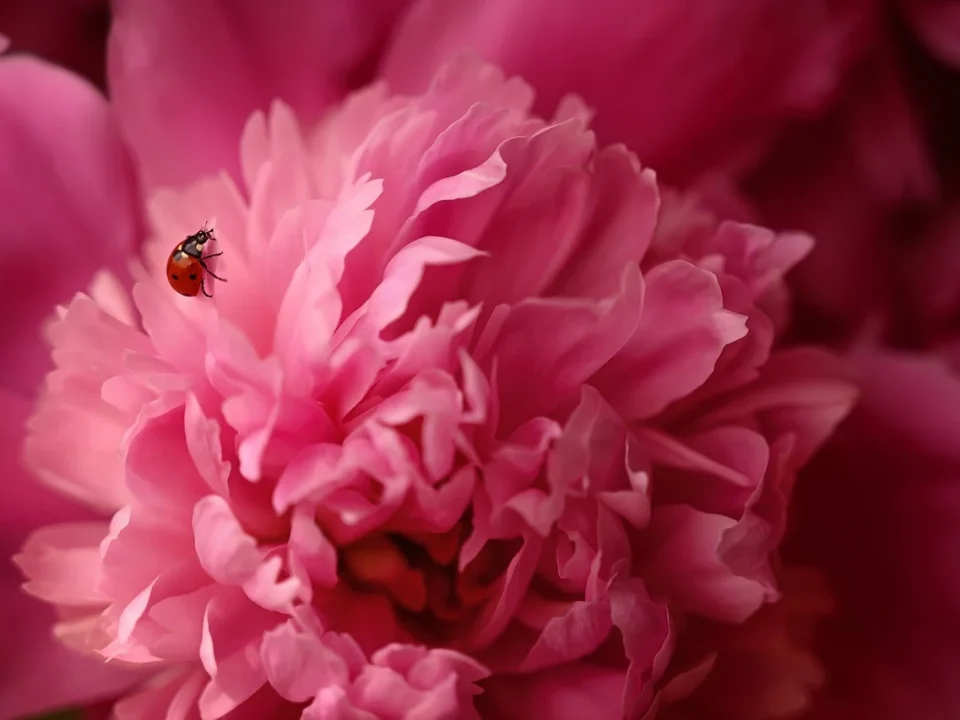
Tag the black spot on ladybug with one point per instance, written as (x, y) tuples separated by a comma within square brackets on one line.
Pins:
[(193, 276), (175, 276)]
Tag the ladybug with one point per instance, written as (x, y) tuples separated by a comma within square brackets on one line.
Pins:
[(186, 266)]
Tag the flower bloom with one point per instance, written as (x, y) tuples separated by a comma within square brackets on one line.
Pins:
[(481, 423)]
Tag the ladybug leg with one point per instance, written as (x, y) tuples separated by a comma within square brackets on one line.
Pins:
[(203, 287), (204, 266)]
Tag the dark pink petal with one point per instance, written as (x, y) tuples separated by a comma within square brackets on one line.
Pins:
[(688, 563), (186, 75), (681, 332), (548, 347)]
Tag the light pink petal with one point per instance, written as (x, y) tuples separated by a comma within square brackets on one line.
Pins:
[(167, 697), (226, 552), (62, 563), (548, 347), (681, 332), (160, 472), (230, 651), (299, 665), (314, 468), (192, 55), (67, 185), (73, 437), (404, 273), (140, 547), (203, 443), (310, 548)]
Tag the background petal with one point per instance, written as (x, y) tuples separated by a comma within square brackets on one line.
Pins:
[(69, 203), (876, 511), (186, 74), (69, 209), (684, 84)]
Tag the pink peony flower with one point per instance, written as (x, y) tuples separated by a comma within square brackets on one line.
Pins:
[(472, 417)]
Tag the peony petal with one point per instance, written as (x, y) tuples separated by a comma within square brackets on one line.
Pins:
[(299, 664), (233, 628), (681, 332), (168, 697), (226, 552), (687, 564), (62, 563), (203, 443), (561, 343), (160, 472)]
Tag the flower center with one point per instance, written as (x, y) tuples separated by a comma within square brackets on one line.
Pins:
[(420, 575)]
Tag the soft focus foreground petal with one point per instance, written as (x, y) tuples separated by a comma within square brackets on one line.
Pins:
[(696, 82), (67, 677), (877, 511), (69, 203), (185, 75)]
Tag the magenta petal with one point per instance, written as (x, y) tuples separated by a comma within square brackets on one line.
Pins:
[(690, 566), (66, 186), (548, 347), (682, 330), (185, 75)]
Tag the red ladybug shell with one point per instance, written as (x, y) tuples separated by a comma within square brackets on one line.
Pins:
[(184, 273), (186, 268)]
